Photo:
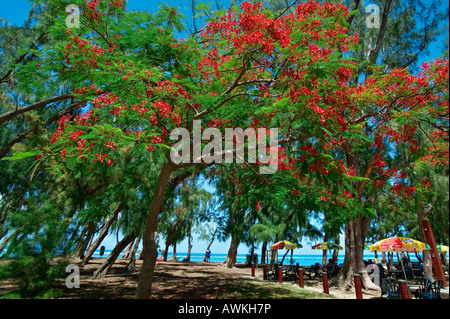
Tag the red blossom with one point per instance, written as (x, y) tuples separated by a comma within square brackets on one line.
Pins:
[(100, 157)]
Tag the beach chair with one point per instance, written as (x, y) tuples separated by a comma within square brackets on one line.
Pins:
[(315, 269), (332, 270), (383, 273), (308, 272), (418, 275), (273, 273), (430, 290), (389, 286), (291, 273)]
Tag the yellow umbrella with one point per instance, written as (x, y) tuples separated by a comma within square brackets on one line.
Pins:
[(442, 248), (399, 244), (327, 245), (283, 245)]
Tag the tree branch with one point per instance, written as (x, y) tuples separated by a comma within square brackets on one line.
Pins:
[(9, 115), (20, 59), (374, 53), (20, 137), (350, 19)]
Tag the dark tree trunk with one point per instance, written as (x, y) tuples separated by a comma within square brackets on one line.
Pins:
[(132, 262), (188, 257), (102, 235), (213, 236), (336, 251), (101, 272), (230, 261), (174, 253), (127, 252), (86, 237), (263, 252), (355, 234), (149, 252), (170, 235)]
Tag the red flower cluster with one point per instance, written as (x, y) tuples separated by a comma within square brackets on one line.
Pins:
[(84, 51), (116, 3), (62, 127), (91, 11)]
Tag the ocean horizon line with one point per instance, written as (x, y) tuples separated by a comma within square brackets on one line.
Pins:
[(302, 259)]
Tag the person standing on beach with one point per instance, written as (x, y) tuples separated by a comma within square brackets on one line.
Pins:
[(208, 256)]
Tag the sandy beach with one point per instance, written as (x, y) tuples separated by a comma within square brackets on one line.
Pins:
[(194, 280)]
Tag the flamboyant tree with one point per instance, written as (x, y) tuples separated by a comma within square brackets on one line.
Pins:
[(134, 83)]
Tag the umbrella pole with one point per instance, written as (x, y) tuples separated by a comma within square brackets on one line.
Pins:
[(403, 269), (282, 260)]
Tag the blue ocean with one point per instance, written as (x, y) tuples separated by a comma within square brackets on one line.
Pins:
[(303, 260)]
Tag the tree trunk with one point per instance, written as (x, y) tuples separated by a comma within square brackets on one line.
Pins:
[(324, 255), (274, 253), (166, 249), (88, 233), (132, 262), (6, 240), (210, 243), (102, 235), (382, 30), (188, 257), (336, 251), (126, 254), (427, 262), (252, 252), (149, 252), (174, 253), (230, 261), (170, 235), (263, 252), (355, 234), (101, 272)]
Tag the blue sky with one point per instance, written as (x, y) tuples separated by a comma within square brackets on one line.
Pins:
[(16, 12)]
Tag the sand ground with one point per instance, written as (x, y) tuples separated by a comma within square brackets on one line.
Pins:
[(176, 280)]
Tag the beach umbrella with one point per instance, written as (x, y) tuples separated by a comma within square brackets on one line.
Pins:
[(399, 244), (327, 245), (285, 244), (367, 247), (442, 248)]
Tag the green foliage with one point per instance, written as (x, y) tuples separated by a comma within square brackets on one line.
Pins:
[(34, 274)]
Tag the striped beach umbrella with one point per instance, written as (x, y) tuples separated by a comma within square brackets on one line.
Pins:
[(284, 245), (327, 245), (399, 244)]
